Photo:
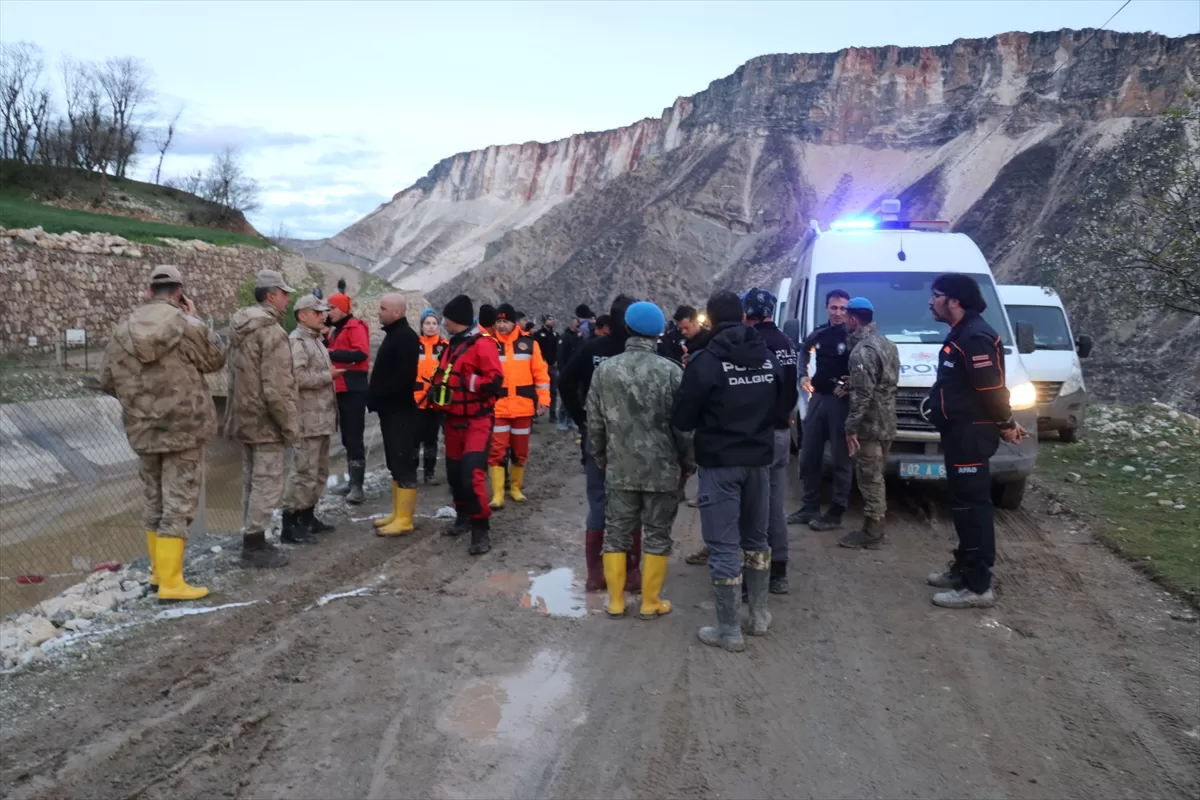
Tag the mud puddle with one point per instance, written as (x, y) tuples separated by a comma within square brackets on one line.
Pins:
[(558, 592), (515, 708)]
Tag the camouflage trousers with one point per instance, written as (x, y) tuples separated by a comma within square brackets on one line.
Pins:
[(870, 463), (310, 469), (626, 509), (171, 490), (262, 484)]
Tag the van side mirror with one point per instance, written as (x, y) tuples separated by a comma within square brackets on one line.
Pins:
[(1025, 341), (1083, 345), (791, 327)]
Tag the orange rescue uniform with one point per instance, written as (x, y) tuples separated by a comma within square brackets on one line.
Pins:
[(527, 386)]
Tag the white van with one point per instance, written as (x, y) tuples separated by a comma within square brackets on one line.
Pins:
[(893, 264), (1054, 364)]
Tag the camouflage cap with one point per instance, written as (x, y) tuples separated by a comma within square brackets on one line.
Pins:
[(165, 273), (270, 279), (311, 301)]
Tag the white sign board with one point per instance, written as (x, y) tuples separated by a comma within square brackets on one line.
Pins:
[(32, 341), (76, 336)]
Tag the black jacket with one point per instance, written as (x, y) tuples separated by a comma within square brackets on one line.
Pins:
[(394, 374), (728, 396), (548, 344), (833, 356), (671, 345), (784, 349), (568, 346), (970, 378), (575, 379)]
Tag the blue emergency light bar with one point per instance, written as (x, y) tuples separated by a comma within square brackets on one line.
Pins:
[(853, 225)]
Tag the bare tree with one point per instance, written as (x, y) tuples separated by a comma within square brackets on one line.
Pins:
[(1136, 247), (24, 101), (227, 184), (126, 85), (280, 233), (163, 143)]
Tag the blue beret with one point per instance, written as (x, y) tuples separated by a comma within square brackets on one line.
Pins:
[(860, 303), (645, 319)]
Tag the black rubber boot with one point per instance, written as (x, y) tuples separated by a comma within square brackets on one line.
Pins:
[(462, 524), (257, 552), (309, 518), (481, 540), (431, 476), (756, 582), (779, 581), (358, 470), (726, 634), (293, 531)]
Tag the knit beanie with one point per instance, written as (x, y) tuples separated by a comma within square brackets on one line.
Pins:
[(340, 301), (487, 315), (506, 311), (458, 310), (429, 312)]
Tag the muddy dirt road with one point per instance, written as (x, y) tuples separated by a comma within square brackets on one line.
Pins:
[(450, 680)]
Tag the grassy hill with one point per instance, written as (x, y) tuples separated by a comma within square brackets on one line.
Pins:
[(69, 200)]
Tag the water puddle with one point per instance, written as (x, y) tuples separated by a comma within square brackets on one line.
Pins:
[(514, 708), (557, 592)]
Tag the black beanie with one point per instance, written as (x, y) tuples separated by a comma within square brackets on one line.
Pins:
[(460, 310), (487, 315), (583, 312), (506, 311)]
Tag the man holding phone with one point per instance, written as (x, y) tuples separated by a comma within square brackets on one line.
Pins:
[(969, 406)]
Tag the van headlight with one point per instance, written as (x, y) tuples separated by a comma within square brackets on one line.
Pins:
[(1022, 396), (1073, 383)]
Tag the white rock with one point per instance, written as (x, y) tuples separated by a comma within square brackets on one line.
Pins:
[(78, 624), (54, 606), (32, 656), (1179, 507), (133, 594), (130, 585), (105, 601), (75, 591), (38, 631), (1167, 503), (1150, 494), (1074, 477), (216, 548), (1128, 468), (112, 584)]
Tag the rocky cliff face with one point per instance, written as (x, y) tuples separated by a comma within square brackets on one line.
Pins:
[(991, 134)]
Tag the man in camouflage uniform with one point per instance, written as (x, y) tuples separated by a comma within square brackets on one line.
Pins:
[(261, 411), (871, 424), (641, 455), (154, 365), (317, 407)]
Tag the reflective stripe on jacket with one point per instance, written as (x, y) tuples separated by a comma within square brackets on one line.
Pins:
[(526, 378), (429, 354)]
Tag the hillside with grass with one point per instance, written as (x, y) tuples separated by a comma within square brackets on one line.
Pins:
[(62, 200)]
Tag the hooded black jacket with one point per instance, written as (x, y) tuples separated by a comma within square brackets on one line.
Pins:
[(787, 357), (575, 378), (729, 395)]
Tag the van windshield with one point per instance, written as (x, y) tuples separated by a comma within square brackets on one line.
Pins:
[(1049, 326), (901, 301)]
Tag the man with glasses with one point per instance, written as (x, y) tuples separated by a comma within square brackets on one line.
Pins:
[(825, 420)]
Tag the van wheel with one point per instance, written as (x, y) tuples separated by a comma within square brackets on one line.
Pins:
[(1070, 435), (1008, 495)]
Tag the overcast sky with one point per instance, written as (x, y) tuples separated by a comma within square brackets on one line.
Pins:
[(339, 105)]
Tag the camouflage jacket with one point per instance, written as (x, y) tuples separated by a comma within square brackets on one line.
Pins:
[(261, 406), (154, 365), (317, 400), (629, 420), (874, 374)]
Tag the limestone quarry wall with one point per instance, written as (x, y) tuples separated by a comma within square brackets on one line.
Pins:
[(50, 282)]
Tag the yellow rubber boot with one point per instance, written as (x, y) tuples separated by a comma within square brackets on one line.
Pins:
[(169, 558), (516, 481), (383, 522), (152, 548), (497, 475), (614, 576), (654, 572), (406, 504)]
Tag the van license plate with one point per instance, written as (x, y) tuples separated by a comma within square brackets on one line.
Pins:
[(929, 471)]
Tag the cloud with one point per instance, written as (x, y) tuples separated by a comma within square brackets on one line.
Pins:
[(317, 212), (213, 139), (351, 158)]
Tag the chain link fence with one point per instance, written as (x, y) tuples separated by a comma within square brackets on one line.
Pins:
[(70, 492)]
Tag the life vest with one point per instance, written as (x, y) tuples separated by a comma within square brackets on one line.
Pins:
[(468, 378), (429, 353), (525, 376)]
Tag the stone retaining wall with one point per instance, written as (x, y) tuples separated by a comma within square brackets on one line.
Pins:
[(49, 283)]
